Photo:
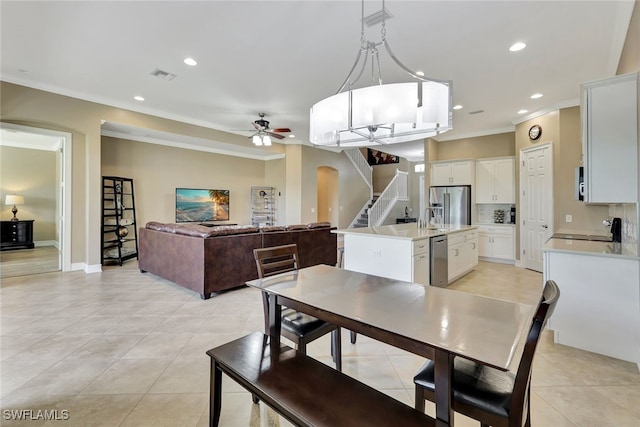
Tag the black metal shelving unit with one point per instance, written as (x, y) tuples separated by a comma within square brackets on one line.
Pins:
[(119, 230)]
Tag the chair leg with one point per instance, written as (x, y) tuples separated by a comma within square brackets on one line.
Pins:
[(353, 337), (255, 398), (419, 397), (336, 348), (302, 347)]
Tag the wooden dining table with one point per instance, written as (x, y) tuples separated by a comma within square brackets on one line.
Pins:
[(436, 323)]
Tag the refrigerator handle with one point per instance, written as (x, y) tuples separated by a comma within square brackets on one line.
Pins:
[(447, 208)]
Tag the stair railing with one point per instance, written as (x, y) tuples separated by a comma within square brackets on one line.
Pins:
[(397, 190), (362, 166)]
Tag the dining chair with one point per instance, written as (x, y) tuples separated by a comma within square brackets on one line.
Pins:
[(298, 327), (493, 397)]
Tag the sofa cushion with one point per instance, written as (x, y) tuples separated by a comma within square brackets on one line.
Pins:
[(225, 230), (194, 230), (272, 228), (319, 224), (297, 227), (154, 225)]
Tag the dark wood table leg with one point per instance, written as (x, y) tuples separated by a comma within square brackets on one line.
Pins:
[(443, 380), (215, 394), (275, 320)]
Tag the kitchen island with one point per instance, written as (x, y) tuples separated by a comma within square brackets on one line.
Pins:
[(401, 251), (599, 305)]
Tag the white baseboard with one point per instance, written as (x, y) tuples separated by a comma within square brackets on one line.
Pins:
[(96, 268), (498, 260), (40, 243), (81, 266)]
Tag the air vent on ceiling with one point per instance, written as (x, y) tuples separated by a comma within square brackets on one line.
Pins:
[(164, 75), (476, 112), (377, 17)]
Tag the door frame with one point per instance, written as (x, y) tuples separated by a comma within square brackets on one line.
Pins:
[(63, 192), (522, 205)]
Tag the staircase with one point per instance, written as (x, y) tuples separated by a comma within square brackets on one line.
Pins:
[(363, 219)]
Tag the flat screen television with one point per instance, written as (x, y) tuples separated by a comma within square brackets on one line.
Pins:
[(201, 205)]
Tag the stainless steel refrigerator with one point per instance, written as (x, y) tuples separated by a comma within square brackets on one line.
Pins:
[(453, 203)]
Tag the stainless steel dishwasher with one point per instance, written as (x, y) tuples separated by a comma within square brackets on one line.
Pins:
[(439, 261)]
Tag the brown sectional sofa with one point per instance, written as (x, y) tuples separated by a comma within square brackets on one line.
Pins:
[(213, 259)]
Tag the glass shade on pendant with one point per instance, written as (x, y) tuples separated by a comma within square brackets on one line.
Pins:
[(266, 140), (382, 114), (257, 140)]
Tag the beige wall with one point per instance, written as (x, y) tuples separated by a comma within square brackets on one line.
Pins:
[(32, 174), (630, 57), (498, 145), (328, 186), (157, 170), (352, 194)]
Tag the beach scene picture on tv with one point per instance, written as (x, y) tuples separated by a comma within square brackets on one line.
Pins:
[(201, 205)]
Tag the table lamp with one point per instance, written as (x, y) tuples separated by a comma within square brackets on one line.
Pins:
[(14, 200)]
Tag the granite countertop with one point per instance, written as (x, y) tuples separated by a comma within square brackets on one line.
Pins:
[(406, 231), (588, 247)]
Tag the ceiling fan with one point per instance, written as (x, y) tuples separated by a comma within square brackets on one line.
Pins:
[(264, 133)]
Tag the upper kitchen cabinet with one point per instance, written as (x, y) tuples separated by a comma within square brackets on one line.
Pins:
[(453, 172), (610, 139), (495, 180)]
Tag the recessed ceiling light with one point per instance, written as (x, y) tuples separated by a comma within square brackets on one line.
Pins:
[(517, 46), (190, 61), (419, 73), (536, 96), (522, 111), (292, 135), (138, 98), (457, 107)]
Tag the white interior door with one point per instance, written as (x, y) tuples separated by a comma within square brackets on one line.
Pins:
[(536, 204)]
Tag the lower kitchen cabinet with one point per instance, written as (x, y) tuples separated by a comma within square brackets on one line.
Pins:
[(496, 242), (599, 305), (463, 253)]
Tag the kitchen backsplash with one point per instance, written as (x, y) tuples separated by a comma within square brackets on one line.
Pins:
[(486, 213), (629, 215)]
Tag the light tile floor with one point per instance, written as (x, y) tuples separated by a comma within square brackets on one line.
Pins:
[(121, 348)]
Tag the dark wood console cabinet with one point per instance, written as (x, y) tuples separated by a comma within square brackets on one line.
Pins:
[(16, 235)]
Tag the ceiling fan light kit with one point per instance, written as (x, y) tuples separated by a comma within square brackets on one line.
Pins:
[(381, 113)]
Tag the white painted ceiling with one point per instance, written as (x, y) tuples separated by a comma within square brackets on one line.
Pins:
[(281, 57)]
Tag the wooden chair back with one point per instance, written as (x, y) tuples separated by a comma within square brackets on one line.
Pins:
[(276, 260)]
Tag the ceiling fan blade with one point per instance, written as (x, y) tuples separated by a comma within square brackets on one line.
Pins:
[(257, 126), (283, 130), (274, 135)]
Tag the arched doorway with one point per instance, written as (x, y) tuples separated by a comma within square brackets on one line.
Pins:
[(327, 191)]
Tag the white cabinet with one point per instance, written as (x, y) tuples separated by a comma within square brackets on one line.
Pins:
[(599, 305), (470, 251), (610, 139), (420, 272), (496, 242), (495, 181), (457, 172), (463, 253), (455, 249), (400, 259)]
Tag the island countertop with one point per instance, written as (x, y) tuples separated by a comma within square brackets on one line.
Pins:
[(408, 231), (587, 247)]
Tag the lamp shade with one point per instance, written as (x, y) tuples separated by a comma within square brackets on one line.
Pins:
[(13, 199)]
